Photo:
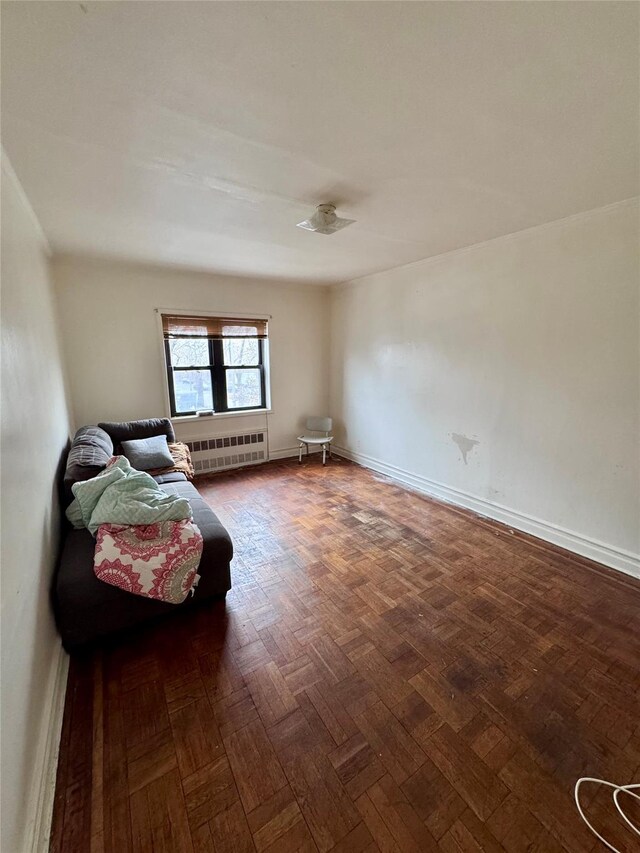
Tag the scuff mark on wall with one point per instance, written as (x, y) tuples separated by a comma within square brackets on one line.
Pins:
[(465, 445)]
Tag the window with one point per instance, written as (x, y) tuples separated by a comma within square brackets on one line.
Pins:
[(215, 363)]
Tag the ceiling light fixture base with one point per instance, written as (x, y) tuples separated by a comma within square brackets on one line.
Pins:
[(325, 221)]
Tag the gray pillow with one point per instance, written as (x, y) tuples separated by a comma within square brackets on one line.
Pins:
[(147, 453), (89, 453), (91, 446)]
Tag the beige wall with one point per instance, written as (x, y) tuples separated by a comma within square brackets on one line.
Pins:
[(505, 377), (35, 429), (114, 354)]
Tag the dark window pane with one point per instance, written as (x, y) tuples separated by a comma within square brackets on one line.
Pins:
[(243, 389), (238, 351), (189, 352), (192, 390)]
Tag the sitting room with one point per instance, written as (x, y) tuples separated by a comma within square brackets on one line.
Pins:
[(320, 445)]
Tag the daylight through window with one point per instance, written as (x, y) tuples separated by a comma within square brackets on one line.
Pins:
[(215, 363)]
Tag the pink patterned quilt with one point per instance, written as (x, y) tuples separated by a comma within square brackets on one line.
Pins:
[(155, 560)]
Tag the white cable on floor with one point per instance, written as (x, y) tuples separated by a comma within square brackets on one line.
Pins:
[(617, 789), (626, 790)]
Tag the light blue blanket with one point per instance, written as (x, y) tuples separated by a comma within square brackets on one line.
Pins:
[(122, 495)]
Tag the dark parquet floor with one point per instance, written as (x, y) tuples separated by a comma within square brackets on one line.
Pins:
[(388, 673)]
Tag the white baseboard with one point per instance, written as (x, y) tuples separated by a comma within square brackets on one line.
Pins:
[(608, 555), (44, 774), (288, 453)]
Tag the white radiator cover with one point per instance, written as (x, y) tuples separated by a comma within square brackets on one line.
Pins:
[(233, 450)]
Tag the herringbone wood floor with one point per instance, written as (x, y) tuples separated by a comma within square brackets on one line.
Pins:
[(388, 673)]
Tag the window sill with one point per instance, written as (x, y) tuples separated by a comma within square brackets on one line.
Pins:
[(247, 413)]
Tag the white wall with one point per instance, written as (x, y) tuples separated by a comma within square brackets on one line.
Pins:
[(114, 355), (35, 429), (520, 354)]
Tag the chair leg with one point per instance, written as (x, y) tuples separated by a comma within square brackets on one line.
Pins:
[(324, 454), (300, 454)]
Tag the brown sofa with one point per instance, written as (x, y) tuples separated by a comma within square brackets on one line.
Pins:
[(88, 609)]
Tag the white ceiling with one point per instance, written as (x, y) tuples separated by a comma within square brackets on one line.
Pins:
[(200, 133)]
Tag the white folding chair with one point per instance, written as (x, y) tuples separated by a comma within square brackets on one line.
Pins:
[(317, 425)]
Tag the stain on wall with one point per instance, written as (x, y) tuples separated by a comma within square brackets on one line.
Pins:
[(465, 445)]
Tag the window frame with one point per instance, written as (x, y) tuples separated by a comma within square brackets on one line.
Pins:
[(218, 370)]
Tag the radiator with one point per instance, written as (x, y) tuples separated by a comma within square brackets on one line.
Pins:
[(228, 451)]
